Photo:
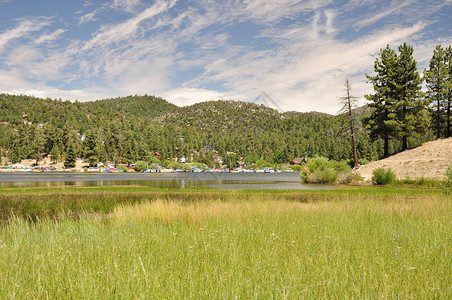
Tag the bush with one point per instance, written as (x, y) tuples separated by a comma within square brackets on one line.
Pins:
[(123, 168), (178, 165), (154, 160), (322, 170), (448, 184), (327, 175), (266, 165), (140, 166), (382, 176)]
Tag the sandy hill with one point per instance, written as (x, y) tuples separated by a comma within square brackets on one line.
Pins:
[(428, 161)]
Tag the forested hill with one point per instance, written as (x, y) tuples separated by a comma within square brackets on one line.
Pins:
[(134, 127), (57, 112), (134, 107)]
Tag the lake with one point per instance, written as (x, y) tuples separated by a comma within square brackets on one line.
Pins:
[(235, 181)]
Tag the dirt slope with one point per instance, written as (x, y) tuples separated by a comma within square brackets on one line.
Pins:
[(429, 161)]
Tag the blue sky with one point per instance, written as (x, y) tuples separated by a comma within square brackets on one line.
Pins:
[(298, 52)]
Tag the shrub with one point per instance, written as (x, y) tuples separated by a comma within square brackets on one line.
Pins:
[(123, 168), (327, 175), (178, 165), (154, 160), (322, 170), (266, 165), (382, 176), (140, 166)]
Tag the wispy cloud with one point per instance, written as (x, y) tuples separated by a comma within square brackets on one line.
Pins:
[(45, 38), (126, 5), (299, 52), (25, 27), (392, 9)]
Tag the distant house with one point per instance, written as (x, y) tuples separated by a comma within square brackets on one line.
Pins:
[(181, 137), (239, 164), (183, 159), (298, 161)]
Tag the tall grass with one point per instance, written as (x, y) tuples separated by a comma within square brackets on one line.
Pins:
[(259, 247)]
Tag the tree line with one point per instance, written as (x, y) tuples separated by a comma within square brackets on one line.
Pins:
[(399, 116), (400, 109)]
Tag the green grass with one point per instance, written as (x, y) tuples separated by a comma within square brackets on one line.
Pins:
[(57, 202), (347, 243)]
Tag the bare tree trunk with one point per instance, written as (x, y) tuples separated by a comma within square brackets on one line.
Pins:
[(404, 137), (349, 102), (448, 118), (386, 145), (438, 121)]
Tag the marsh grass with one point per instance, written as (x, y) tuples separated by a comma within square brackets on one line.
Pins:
[(236, 245), (39, 203)]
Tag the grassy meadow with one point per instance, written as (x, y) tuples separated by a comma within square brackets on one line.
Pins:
[(144, 243)]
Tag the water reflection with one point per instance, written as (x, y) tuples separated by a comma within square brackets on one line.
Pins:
[(230, 181)]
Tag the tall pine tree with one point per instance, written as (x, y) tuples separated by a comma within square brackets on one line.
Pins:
[(435, 77), (411, 115), (399, 111), (382, 101), (447, 87)]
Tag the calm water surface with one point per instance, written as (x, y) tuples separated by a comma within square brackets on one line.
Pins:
[(235, 181)]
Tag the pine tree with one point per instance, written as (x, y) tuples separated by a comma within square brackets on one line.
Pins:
[(399, 110), (90, 148), (411, 116), (435, 77), (447, 87), (382, 101), (70, 157)]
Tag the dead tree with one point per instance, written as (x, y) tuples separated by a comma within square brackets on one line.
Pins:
[(349, 103)]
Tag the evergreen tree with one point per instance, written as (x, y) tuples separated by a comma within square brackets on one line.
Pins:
[(435, 77), (399, 109), (447, 87), (70, 157), (410, 116), (383, 100), (90, 148)]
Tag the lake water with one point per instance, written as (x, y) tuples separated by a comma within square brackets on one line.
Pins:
[(234, 181)]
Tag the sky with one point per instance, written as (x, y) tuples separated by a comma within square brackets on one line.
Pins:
[(299, 53)]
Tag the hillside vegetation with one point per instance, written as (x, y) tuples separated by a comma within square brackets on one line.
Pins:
[(135, 127)]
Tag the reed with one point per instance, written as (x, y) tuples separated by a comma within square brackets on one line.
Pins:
[(258, 246)]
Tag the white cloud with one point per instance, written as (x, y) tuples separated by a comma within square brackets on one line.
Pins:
[(49, 37), (89, 17), (124, 31), (299, 52), (127, 5), (189, 96), (25, 27), (377, 17), (274, 11)]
